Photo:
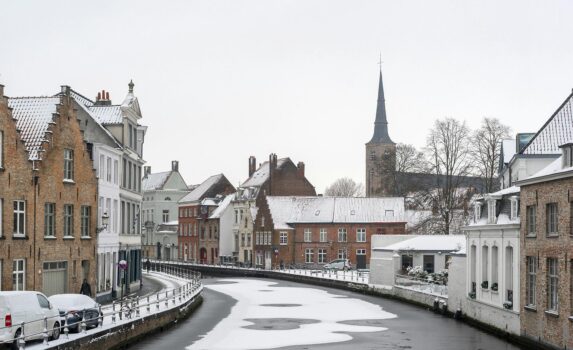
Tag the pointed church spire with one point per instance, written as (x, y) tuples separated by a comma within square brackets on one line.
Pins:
[(381, 124)]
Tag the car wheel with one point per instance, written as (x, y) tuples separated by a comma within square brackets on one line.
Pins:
[(56, 331), (14, 345)]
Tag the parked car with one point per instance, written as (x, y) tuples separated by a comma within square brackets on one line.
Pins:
[(338, 264), (74, 306), (28, 307)]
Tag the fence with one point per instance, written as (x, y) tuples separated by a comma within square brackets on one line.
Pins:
[(421, 284), (125, 310)]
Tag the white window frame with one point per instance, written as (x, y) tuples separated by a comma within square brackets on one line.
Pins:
[(491, 211), (553, 285), (342, 234), (69, 164), (360, 251), (531, 282), (165, 215), (322, 255), (308, 255), (108, 169), (16, 271), (1, 149), (342, 253), (68, 230), (19, 218), (361, 235), (307, 235), (552, 218), (85, 220), (323, 235), (531, 220), (283, 238), (49, 220)]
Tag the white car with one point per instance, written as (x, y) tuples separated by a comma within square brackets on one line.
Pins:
[(74, 306), (28, 307), (338, 264)]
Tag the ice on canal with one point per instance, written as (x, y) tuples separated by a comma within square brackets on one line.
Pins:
[(269, 316)]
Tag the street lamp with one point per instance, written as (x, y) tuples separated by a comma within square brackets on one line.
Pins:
[(104, 222)]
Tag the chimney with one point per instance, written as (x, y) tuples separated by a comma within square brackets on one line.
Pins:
[(146, 171), (252, 165), (300, 167), (103, 99), (1, 90), (175, 165)]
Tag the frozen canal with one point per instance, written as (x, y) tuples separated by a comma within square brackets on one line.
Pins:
[(261, 314)]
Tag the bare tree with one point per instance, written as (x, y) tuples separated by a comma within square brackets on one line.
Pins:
[(344, 187), (486, 149), (408, 160), (448, 152)]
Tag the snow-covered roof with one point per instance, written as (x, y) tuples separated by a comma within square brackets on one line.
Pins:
[(222, 206), (107, 114), (291, 210), (439, 243), (209, 201), (555, 132), (33, 116), (199, 192), (155, 181), (505, 191), (261, 175)]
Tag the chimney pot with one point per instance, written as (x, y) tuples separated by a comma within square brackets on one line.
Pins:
[(107, 95), (99, 96), (252, 165), (175, 165), (300, 169)]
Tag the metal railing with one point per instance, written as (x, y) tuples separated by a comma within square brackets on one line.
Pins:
[(421, 284), (126, 309)]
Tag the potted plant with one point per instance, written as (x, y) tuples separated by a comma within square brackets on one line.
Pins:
[(484, 284), (494, 287), (508, 305), (472, 295)]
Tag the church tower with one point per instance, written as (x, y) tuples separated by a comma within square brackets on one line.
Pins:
[(380, 154)]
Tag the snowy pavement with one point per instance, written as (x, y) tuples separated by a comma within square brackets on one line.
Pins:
[(270, 316), (157, 303)]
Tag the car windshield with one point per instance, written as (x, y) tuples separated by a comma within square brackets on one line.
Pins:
[(72, 301)]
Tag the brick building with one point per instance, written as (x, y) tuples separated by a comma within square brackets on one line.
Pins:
[(197, 239), (277, 177), (547, 253), (315, 230), (48, 197)]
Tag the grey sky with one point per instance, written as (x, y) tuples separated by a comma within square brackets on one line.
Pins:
[(219, 81)]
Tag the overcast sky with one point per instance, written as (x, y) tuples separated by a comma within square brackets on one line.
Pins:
[(219, 81)]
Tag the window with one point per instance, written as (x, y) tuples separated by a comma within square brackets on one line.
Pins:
[(342, 234), (283, 238), (473, 267), (531, 280), (69, 164), (308, 255), (484, 265), (165, 216), (491, 211), (514, 207), (68, 220), (428, 261), (18, 274), (530, 219), (19, 218), (49, 220), (407, 261), (263, 221), (552, 284), (44, 303), (236, 216), (86, 214), (494, 264), (115, 170), (101, 166), (307, 235), (360, 251), (342, 254), (1, 222), (360, 235), (477, 212), (323, 235), (551, 219), (108, 169), (322, 256)]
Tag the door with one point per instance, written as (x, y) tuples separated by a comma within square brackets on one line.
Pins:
[(429, 263), (361, 259), (203, 256), (54, 278), (268, 260)]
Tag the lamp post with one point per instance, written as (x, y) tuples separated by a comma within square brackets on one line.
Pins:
[(104, 223)]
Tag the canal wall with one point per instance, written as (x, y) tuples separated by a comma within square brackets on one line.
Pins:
[(500, 326), (123, 335)]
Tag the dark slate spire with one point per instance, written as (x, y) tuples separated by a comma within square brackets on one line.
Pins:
[(381, 124)]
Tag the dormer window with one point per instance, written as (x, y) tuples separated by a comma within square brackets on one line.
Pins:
[(477, 210), (514, 212), (491, 211), (567, 156)]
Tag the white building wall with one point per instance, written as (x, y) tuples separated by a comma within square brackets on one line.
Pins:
[(107, 162), (458, 298), (226, 235)]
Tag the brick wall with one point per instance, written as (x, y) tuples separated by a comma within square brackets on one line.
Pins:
[(536, 323)]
